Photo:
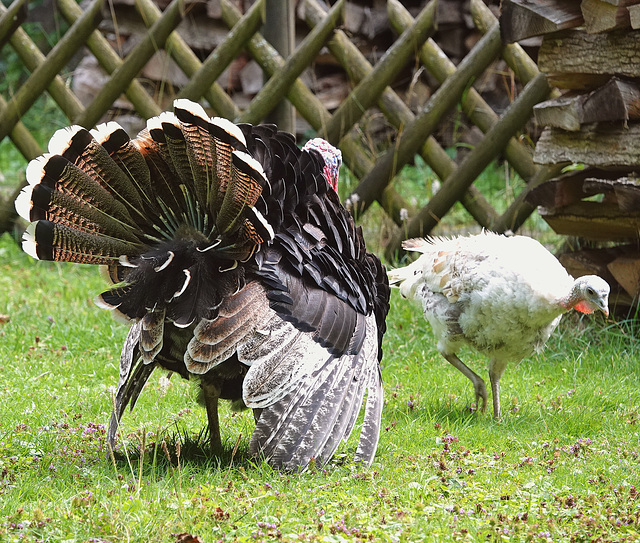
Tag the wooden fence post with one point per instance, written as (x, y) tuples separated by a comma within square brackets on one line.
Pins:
[(281, 81), (203, 80), (46, 72), (279, 30)]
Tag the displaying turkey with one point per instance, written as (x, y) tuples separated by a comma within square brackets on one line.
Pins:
[(232, 256), (502, 295)]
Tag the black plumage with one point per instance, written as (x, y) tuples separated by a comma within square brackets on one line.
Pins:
[(232, 257)]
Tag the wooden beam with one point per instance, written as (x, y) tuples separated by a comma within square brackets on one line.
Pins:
[(279, 30), (281, 81), (520, 19)]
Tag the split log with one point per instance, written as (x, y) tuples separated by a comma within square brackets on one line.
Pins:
[(634, 16), (572, 187), (592, 261), (594, 221), (565, 112), (617, 100), (596, 145), (520, 19), (626, 270), (624, 191), (577, 60), (604, 16)]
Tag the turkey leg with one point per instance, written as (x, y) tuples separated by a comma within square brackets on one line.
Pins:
[(478, 384), (211, 393), (496, 369)]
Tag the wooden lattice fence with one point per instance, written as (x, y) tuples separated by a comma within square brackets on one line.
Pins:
[(371, 89)]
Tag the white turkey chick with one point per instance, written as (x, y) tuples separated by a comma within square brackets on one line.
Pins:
[(502, 295)]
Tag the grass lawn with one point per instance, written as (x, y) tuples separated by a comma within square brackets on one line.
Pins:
[(561, 465)]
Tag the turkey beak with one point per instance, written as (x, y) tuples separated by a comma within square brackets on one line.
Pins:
[(603, 305)]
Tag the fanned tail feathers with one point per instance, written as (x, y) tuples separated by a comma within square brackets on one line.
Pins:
[(230, 253)]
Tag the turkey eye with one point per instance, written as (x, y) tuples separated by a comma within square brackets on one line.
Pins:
[(590, 291)]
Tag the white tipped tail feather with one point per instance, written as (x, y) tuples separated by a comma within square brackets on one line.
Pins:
[(234, 263)]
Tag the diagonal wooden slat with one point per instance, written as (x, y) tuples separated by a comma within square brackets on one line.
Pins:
[(41, 78), (398, 114), (141, 54), (22, 139), (525, 69), (32, 57), (474, 163), (414, 134), (11, 19), (307, 103), (371, 87), (473, 105), (206, 73), (110, 62), (272, 92), (284, 82)]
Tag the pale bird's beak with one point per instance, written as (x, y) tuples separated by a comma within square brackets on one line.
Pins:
[(604, 307)]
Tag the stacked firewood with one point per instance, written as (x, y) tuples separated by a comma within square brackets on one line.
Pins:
[(590, 51)]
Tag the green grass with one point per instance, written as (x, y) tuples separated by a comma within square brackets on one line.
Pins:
[(561, 465)]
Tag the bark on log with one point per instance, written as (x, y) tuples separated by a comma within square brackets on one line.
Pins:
[(520, 19), (594, 221), (575, 59), (602, 146), (624, 191), (617, 100), (565, 112), (568, 188), (634, 16), (604, 16)]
